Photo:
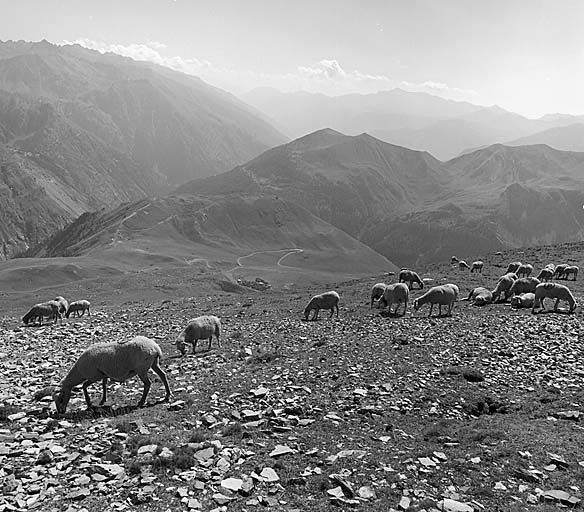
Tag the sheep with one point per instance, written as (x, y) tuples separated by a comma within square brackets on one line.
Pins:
[(480, 296), (463, 265), (571, 270), (453, 260), (327, 300), (39, 311), (525, 300), (200, 328), (504, 284), (397, 293), (551, 266), (524, 285), (63, 304), (513, 267), (117, 361), (377, 292), (546, 274), (78, 308), (443, 295), (477, 266), (554, 291), (410, 277), (560, 270), (524, 270)]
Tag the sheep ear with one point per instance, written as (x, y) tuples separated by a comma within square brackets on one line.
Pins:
[(46, 391)]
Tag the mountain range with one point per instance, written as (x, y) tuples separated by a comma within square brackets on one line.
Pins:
[(80, 130), (403, 204), (415, 120)]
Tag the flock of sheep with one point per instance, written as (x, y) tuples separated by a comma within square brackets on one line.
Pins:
[(120, 361), (516, 284)]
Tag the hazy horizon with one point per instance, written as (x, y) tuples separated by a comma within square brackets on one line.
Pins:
[(527, 58)]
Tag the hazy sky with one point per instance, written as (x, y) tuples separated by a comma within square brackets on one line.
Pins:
[(525, 55)]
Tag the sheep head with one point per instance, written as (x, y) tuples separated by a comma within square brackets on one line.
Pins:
[(181, 346), (61, 396)]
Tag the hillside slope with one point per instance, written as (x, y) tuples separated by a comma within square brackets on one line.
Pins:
[(103, 129), (346, 181)]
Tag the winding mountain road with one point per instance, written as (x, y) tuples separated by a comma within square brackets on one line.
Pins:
[(239, 260)]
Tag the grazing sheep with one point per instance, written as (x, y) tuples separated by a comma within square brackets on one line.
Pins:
[(477, 266), (553, 291), (480, 296), (443, 295), (453, 260), (524, 285), (63, 304), (377, 292), (38, 312), (200, 328), (78, 308), (397, 293), (513, 267), (410, 277), (525, 300), (546, 274), (551, 266), (116, 361), (571, 270), (463, 265), (560, 270), (504, 285), (524, 270), (327, 300)]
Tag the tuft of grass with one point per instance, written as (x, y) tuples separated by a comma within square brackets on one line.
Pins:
[(261, 355), (232, 430), (123, 425), (197, 436)]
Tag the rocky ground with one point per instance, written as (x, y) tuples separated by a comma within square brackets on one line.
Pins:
[(481, 411)]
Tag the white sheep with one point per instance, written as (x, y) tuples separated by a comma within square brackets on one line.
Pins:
[(477, 266), (553, 291), (410, 277), (513, 267), (377, 292), (200, 328), (39, 312), (546, 274), (453, 260), (117, 361), (524, 270), (326, 300), (78, 308), (397, 293), (551, 266), (463, 265), (443, 295), (560, 270), (571, 270), (63, 304), (525, 300), (504, 285), (480, 296), (524, 285)]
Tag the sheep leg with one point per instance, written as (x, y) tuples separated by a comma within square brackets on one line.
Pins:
[(315, 316), (218, 340), (210, 343), (103, 391), (194, 344), (144, 378), (160, 372), (556, 305), (337, 308), (86, 384), (431, 308)]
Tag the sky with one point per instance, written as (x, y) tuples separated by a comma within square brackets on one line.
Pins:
[(523, 55)]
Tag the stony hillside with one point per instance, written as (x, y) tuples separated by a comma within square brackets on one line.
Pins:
[(479, 411), (87, 130)]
